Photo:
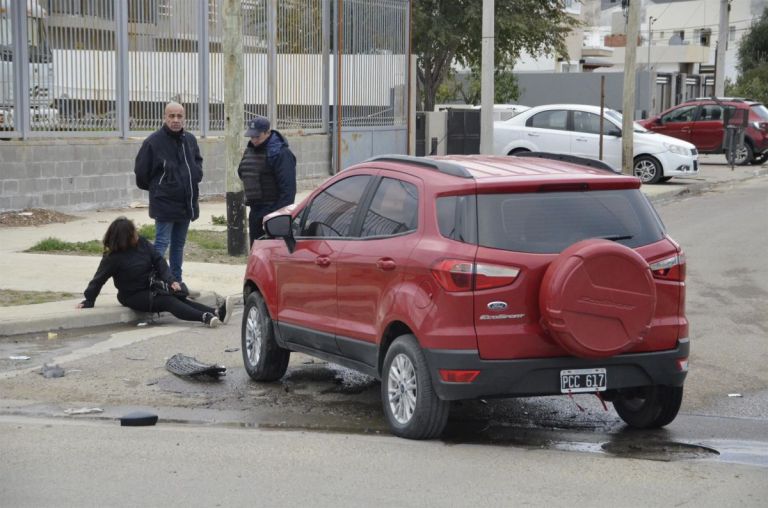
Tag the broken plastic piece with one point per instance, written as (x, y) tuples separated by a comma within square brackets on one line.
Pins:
[(143, 323), (84, 411), (734, 395), (183, 365), (52, 335), (49, 371), (19, 357), (232, 349), (138, 419)]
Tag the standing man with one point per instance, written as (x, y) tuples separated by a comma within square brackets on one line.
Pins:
[(268, 172), (170, 167)]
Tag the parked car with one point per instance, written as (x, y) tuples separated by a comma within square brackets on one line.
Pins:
[(700, 121), (575, 129), (463, 277)]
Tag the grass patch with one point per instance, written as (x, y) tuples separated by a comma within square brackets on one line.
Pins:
[(10, 297), (202, 245), (219, 220), (51, 244)]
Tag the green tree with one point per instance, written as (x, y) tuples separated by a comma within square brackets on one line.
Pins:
[(445, 32), (753, 48)]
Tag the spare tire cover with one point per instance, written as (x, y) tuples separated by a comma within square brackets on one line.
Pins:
[(597, 298)]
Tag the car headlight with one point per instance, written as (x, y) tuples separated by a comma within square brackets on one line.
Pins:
[(677, 149)]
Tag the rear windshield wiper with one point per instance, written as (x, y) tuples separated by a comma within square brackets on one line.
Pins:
[(617, 237)]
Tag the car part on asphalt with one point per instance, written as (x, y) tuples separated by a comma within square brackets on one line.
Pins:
[(648, 169), (138, 419), (183, 365)]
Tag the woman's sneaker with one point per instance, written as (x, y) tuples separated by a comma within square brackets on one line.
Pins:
[(224, 311), (210, 320)]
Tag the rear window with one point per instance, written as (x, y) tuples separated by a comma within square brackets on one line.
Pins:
[(760, 110), (549, 222)]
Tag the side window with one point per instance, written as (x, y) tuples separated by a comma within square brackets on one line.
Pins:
[(557, 119), (330, 213), (711, 113), (394, 209), (589, 123), (684, 114), (456, 218)]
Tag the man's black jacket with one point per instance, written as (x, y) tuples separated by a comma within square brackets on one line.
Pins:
[(170, 167)]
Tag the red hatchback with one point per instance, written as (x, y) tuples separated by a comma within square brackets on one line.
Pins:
[(700, 121), (462, 277)]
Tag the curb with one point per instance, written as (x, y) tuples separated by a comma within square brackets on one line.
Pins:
[(56, 321), (699, 188)]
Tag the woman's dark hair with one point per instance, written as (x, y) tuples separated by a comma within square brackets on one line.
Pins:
[(120, 236)]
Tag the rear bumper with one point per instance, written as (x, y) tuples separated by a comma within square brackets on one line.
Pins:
[(541, 376)]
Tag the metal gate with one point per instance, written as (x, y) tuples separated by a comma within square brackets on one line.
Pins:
[(370, 97)]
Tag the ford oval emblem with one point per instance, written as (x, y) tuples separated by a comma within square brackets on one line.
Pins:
[(497, 306)]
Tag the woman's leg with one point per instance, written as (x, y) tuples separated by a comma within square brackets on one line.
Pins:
[(182, 309)]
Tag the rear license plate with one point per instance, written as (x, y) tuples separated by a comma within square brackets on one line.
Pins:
[(583, 380)]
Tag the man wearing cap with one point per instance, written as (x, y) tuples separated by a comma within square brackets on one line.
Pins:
[(268, 172)]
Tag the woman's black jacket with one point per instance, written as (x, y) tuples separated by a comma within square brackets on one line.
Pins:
[(130, 270), (170, 167)]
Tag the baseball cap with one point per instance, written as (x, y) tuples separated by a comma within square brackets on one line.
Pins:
[(256, 126)]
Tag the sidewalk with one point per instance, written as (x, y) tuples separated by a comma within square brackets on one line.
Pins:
[(48, 272)]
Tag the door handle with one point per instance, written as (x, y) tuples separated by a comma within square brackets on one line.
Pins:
[(322, 261), (386, 264), (581, 139), (686, 129), (533, 135)]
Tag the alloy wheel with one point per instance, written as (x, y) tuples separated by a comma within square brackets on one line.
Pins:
[(254, 336), (401, 389), (645, 170)]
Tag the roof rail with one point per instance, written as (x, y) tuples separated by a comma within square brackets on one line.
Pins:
[(592, 163), (449, 168)]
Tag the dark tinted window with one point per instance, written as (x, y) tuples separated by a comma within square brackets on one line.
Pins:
[(682, 114), (710, 113), (549, 120), (394, 209), (456, 218), (331, 212), (550, 222)]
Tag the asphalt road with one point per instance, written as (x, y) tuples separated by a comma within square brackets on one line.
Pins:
[(318, 437)]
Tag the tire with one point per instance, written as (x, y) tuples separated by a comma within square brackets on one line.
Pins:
[(650, 407), (264, 360), (648, 169), (759, 159), (517, 151), (744, 155), (411, 406)]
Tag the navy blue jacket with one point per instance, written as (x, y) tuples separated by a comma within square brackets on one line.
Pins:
[(274, 184), (170, 167)]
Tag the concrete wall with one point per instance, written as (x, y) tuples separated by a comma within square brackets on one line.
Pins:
[(80, 174), (537, 89)]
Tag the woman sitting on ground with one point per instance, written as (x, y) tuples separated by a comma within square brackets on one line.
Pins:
[(132, 262)]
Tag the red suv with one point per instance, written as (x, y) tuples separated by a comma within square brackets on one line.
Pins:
[(463, 277), (700, 121)]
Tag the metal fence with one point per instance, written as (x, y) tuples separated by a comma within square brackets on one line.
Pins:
[(108, 67)]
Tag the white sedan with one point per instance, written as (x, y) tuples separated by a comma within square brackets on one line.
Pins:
[(575, 129)]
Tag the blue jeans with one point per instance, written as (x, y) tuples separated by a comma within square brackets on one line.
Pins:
[(175, 234)]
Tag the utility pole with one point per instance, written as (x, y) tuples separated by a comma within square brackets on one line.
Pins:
[(630, 72), (486, 79), (722, 44), (233, 125), (651, 84)]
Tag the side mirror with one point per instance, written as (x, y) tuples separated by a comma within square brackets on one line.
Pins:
[(658, 120), (280, 227), (615, 132)]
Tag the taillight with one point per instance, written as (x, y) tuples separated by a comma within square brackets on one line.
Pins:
[(671, 268), (461, 275)]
